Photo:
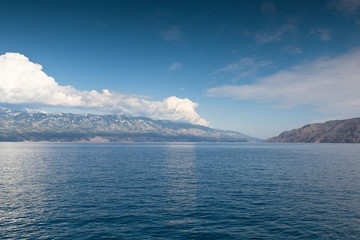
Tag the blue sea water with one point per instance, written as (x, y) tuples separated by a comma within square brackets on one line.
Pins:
[(179, 191)]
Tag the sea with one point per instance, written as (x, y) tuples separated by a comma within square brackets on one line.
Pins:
[(179, 191)]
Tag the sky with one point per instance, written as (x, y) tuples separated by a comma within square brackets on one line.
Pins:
[(258, 67)]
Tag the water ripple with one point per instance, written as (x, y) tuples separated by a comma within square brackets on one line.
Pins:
[(179, 191)]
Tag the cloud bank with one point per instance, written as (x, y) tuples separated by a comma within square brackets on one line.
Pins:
[(330, 84), (24, 82)]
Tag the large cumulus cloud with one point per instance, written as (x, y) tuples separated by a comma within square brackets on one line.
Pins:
[(24, 82)]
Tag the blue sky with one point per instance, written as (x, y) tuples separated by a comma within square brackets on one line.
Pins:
[(258, 67)]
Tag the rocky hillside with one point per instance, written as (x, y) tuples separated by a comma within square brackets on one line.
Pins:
[(39, 126), (338, 131)]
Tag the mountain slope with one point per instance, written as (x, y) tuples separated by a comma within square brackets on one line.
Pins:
[(38, 126), (337, 131)]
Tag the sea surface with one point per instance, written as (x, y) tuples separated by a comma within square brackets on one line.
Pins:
[(179, 191)]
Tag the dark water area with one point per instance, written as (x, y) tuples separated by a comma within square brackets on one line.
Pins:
[(179, 191)]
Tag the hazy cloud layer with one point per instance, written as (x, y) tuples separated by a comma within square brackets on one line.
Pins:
[(24, 82), (330, 84)]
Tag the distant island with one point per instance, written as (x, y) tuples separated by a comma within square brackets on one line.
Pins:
[(18, 126), (336, 131)]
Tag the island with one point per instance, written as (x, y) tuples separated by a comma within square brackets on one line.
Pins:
[(335, 131)]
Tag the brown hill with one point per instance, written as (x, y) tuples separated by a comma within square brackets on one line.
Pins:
[(337, 131)]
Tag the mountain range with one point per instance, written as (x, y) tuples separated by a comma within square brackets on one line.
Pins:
[(68, 127), (336, 131)]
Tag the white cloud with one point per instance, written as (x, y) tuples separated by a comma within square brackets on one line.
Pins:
[(221, 29), (292, 50), (175, 66), (173, 33), (322, 33), (330, 84), (268, 7), (24, 82), (244, 63), (346, 6), (350, 8), (266, 36), (243, 68)]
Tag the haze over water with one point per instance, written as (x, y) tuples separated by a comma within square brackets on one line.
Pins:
[(179, 190)]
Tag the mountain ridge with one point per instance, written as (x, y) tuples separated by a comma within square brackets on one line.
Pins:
[(334, 131), (85, 127)]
